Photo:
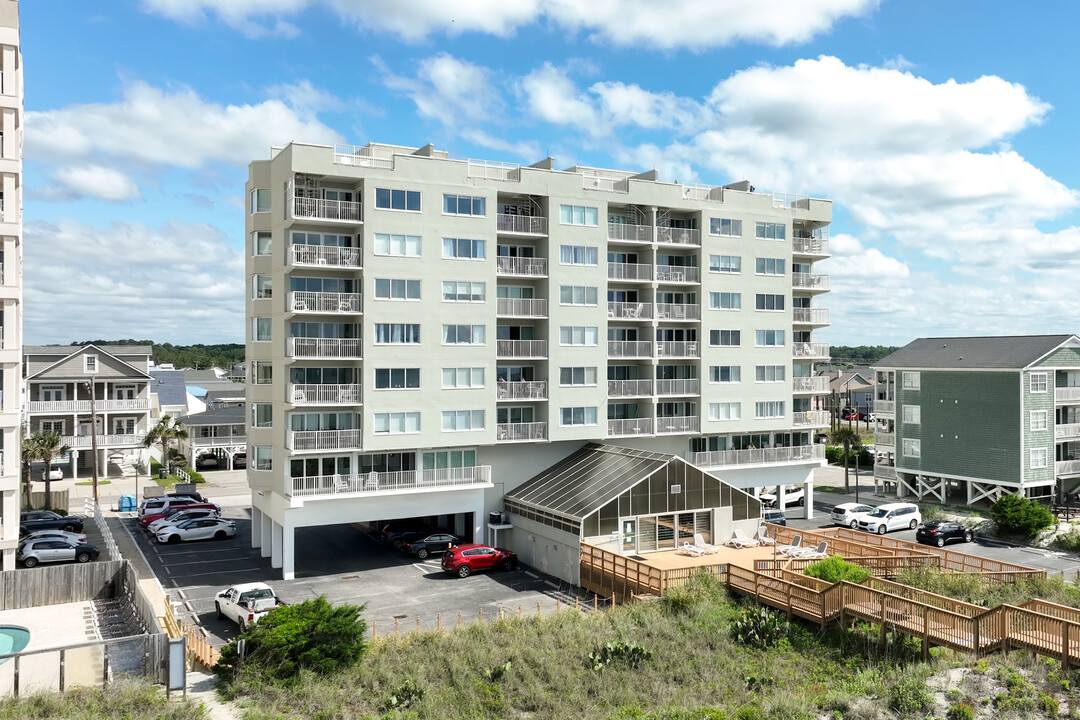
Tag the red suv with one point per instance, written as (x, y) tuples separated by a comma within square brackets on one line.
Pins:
[(464, 560), (150, 517)]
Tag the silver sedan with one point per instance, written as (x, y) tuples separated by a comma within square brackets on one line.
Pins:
[(210, 528)]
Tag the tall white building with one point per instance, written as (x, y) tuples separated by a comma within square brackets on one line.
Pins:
[(426, 334), (11, 107)]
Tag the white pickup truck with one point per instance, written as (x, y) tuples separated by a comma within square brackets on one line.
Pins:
[(246, 604), (793, 495)]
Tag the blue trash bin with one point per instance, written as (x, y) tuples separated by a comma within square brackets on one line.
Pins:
[(127, 503)]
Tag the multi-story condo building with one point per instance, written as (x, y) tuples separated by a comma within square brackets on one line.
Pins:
[(426, 334), (974, 417), (11, 109), (69, 389)]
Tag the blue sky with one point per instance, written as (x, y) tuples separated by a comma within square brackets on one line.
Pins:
[(944, 133)]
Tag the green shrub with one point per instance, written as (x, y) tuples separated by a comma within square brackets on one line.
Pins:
[(1049, 705), (960, 711), (909, 696), (312, 635), (1070, 541), (628, 653), (834, 454), (404, 696), (1019, 516), (759, 627), (834, 569)]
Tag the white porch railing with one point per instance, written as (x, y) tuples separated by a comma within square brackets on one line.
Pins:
[(327, 256), (884, 407), (313, 440), (527, 266), (218, 440), (818, 351), (678, 311), (597, 180), (810, 316), (125, 440), (810, 384), (630, 271), (520, 432), (629, 426), (630, 388), (319, 209), (524, 390), (81, 406), (810, 418), (1067, 467), (363, 156), (521, 307), (677, 424), (681, 386), (629, 349), (818, 246), (629, 311), (621, 232), (330, 348), (809, 281), (521, 348), (1064, 432), (522, 224), (328, 394), (678, 349), (758, 456), (678, 236), (325, 302), (885, 439), (678, 274), (888, 472), (493, 170), (402, 480), (1066, 394)]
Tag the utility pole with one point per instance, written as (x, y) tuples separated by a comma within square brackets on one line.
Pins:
[(93, 439)]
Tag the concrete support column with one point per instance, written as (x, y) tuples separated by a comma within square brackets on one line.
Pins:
[(276, 540), (781, 497), (75, 465), (256, 526), (808, 495), (288, 545), (479, 523), (266, 531)]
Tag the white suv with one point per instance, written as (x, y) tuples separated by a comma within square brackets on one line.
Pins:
[(891, 516), (793, 495)]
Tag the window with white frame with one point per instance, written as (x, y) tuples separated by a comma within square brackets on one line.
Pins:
[(570, 376), (261, 243), (725, 338), (55, 426), (462, 377), (725, 301), (260, 200), (260, 329), (463, 334), (721, 411), (769, 409), (463, 249), (396, 289), (90, 364), (464, 205), (397, 378), (123, 426), (262, 457), (770, 231), (1040, 457), (764, 301), (725, 374), (910, 380), (1038, 419), (397, 245), (577, 295), (912, 447), (731, 264), (53, 393), (770, 266), (769, 338), (578, 255), (262, 372), (578, 215), (398, 423), (911, 414), (462, 291), (462, 420), (442, 459), (1038, 382), (397, 333), (725, 227), (770, 373), (262, 287), (387, 199), (577, 335), (577, 416), (262, 415)]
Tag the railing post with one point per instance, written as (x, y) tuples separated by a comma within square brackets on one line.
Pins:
[(926, 635), (1065, 645), (881, 636)]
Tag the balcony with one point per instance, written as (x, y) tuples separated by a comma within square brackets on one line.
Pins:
[(629, 427), (810, 385), (1067, 467), (325, 302), (683, 386), (521, 224), (678, 311), (521, 266), (885, 472), (1067, 431), (811, 246), (621, 232), (328, 256), (629, 349), (217, 440), (513, 349), (521, 307), (633, 272), (521, 432), (1066, 394), (326, 348), (677, 424), (389, 482), (348, 211), (810, 351), (318, 440), (525, 390), (811, 282), (810, 316), (83, 406), (678, 274), (678, 236), (329, 394), (884, 407), (810, 418), (629, 388), (79, 442), (885, 439), (629, 311), (758, 456), (678, 349)]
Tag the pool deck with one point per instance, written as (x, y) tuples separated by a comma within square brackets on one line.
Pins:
[(53, 626)]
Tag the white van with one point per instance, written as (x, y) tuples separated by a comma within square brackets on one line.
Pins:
[(891, 516)]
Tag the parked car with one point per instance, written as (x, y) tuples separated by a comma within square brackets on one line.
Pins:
[(430, 545), (239, 461), (774, 516), (464, 560), (209, 460), (891, 516), (50, 550), (793, 495), (849, 514), (939, 532), (866, 416), (161, 504), (53, 535), (32, 520), (209, 509), (208, 528), (190, 494), (55, 472), (181, 515), (246, 604), (398, 531)]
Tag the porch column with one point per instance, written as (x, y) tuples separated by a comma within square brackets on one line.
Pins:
[(11, 509), (288, 541), (277, 539), (266, 531), (781, 497), (75, 465), (808, 495)]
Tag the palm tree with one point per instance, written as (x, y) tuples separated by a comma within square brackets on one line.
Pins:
[(166, 430), (28, 456), (850, 439), (48, 445)]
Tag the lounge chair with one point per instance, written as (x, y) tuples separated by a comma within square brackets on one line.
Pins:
[(818, 553), (796, 544), (699, 542), (764, 537), (739, 540), (691, 550)]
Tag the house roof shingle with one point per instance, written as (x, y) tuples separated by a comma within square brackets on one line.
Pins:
[(953, 353)]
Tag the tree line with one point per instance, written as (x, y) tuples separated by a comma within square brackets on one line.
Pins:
[(860, 354), (199, 356)]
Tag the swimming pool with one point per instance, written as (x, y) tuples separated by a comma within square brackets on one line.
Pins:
[(13, 639)]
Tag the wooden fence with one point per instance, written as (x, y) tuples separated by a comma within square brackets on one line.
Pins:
[(59, 499), (620, 577), (58, 584)]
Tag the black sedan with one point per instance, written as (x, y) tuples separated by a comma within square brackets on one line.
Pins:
[(430, 545), (32, 520), (939, 532)]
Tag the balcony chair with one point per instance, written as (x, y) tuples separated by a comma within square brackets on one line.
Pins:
[(739, 540), (764, 537), (818, 553), (794, 547), (300, 306), (689, 550), (699, 542)]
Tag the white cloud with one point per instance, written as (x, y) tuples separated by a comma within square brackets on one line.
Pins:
[(528, 152), (91, 181), (447, 89), (553, 97)]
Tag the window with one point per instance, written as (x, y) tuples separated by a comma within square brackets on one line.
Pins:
[(464, 205), (577, 415), (392, 289), (578, 215), (397, 378), (260, 329), (463, 377), (397, 245), (770, 266), (464, 291), (397, 199), (725, 374), (910, 380), (769, 338), (911, 414), (769, 409), (462, 420), (53, 393), (397, 334), (912, 448), (1038, 419), (441, 459), (577, 295), (725, 301), (262, 457), (262, 287), (260, 201), (463, 249), (770, 231), (569, 335), (262, 373), (578, 255), (399, 423), (725, 264), (725, 227), (725, 411), (1039, 457), (261, 243), (90, 364), (463, 334), (725, 338), (569, 376), (769, 302), (770, 373), (56, 426), (261, 414), (1038, 382)]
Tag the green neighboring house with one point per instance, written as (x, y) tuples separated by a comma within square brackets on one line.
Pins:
[(976, 417)]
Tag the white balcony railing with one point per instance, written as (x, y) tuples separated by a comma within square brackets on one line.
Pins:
[(521, 307), (318, 209), (629, 426), (325, 302), (494, 170), (524, 390), (678, 236), (521, 348), (522, 224), (218, 440), (314, 440), (1067, 431), (364, 156), (808, 281), (886, 472), (677, 424), (330, 348), (678, 349), (885, 439), (810, 384), (758, 456), (678, 311), (630, 271), (83, 406), (520, 432), (681, 386), (810, 316), (526, 266), (811, 351), (621, 232), (810, 418), (328, 394), (629, 311), (629, 349), (388, 482), (678, 274), (1066, 394), (630, 388), (1067, 467), (818, 246), (327, 256), (125, 440)]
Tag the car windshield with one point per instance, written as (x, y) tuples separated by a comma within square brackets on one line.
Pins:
[(878, 512)]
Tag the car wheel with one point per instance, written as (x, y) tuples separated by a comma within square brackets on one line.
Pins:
[(174, 540), (397, 544), (854, 525), (68, 528), (217, 609), (30, 562), (83, 557), (220, 535), (463, 571), (940, 542), (243, 625), (912, 525), (880, 529), (422, 553), (968, 536), (509, 564), (802, 501)]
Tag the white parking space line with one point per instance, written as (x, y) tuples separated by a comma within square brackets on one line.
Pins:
[(534, 576), (424, 568), (201, 562), (548, 582)]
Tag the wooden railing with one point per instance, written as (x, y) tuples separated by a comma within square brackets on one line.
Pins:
[(613, 575), (199, 647)]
